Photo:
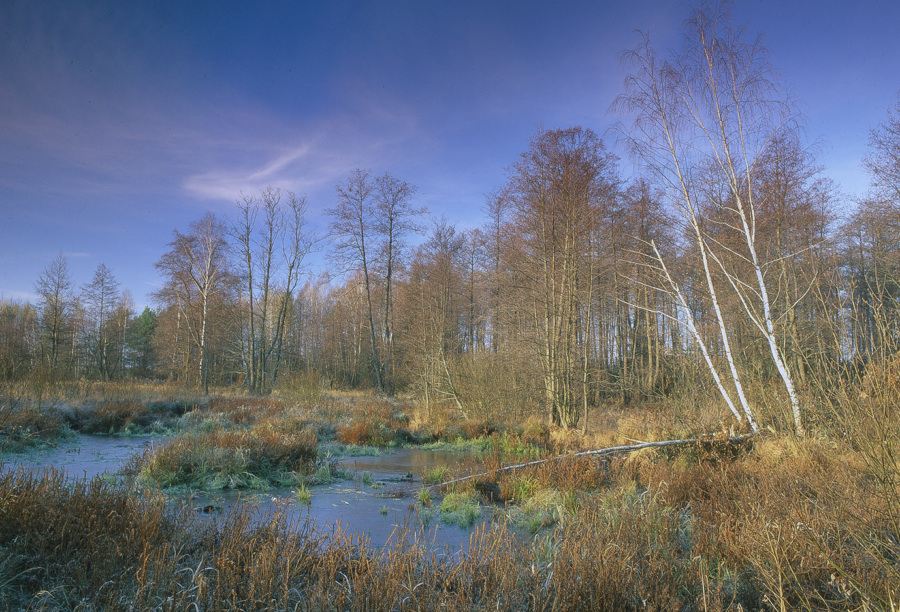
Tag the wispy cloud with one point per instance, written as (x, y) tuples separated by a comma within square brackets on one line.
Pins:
[(312, 162), (19, 296), (298, 169)]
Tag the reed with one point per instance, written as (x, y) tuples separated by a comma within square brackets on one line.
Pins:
[(229, 458), (786, 524)]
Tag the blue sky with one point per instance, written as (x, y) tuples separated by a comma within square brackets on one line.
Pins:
[(121, 121)]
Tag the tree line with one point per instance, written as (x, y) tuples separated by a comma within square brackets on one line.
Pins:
[(720, 269)]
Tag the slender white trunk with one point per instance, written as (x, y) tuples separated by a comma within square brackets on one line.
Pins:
[(768, 328), (704, 254), (709, 363)]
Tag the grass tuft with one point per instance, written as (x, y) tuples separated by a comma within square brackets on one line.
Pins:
[(232, 459), (461, 509)]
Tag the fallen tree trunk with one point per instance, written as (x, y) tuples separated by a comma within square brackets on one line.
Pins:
[(709, 440)]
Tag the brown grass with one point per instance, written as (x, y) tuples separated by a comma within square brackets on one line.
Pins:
[(374, 424), (778, 524), (229, 458), (22, 427), (728, 535), (246, 410)]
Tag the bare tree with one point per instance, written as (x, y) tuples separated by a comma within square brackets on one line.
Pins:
[(870, 245), (16, 347), (54, 288), (394, 218), (272, 242), (496, 208), (368, 227), (434, 314), (196, 271), (556, 190), (352, 233), (100, 298), (883, 162), (708, 115)]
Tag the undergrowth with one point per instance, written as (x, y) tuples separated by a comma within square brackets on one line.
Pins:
[(776, 524), (762, 533)]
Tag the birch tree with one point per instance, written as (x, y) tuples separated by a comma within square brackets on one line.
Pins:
[(709, 113), (196, 271)]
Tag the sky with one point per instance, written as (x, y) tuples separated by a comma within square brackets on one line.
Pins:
[(123, 121)]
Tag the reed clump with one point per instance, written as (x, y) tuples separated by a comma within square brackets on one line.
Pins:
[(229, 458), (126, 417), (24, 427)]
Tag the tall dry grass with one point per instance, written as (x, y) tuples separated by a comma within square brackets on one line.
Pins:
[(222, 458), (685, 531), (22, 426), (779, 524)]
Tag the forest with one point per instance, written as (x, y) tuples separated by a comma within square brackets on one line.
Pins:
[(730, 269)]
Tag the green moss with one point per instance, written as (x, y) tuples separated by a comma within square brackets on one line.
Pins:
[(461, 509)]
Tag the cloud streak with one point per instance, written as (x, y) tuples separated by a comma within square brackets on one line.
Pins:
[(388, 132)]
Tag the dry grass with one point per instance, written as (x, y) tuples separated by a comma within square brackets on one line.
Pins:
[(126, 417), (229, 458), (87, 391), (245, 410), (376, 423), (22, 427), (780, 524), (758, 533)]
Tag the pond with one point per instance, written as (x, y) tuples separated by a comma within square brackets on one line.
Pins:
[(377, 502), (82, 456)]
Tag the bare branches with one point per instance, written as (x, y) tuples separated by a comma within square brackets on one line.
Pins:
[(272, 240), (703, 121), (196, 271)]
